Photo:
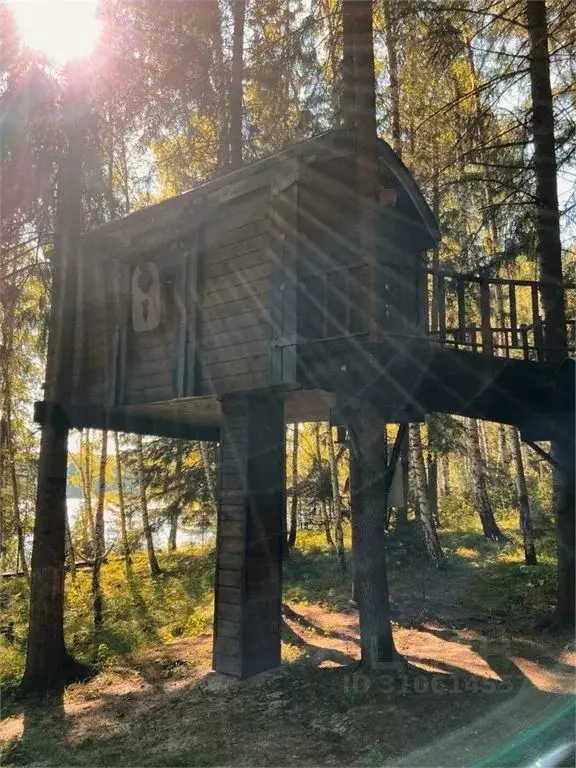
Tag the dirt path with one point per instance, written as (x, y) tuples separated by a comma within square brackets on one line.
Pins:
[(463, 700)]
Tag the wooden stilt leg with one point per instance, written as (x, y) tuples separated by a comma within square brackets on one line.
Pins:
[(250, 535)]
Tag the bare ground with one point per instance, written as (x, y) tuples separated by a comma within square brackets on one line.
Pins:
[(465, 698)]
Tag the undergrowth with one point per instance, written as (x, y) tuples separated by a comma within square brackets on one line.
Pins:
[(140, 612)]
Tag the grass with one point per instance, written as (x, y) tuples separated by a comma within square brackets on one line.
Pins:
[(142, 613)]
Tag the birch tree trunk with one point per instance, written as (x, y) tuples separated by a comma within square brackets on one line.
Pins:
[(525, 513), (336, 500), (293, 529), (427, 523), (326, 516), (479, 485), (122, 505), (155, 569), (87, 483), (99, 541)]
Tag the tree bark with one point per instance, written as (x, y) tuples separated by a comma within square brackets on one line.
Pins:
[(11, 456), (70, 551), (99, 540), (336, 500), (552, 290), (368, 540), (48, 663), (208, 473), (122, 505), (489, 525), (87, 484), (525, 513), (445, 474), (237, 84), (427, 524), (294, 500), (155, 569), (391, 37)]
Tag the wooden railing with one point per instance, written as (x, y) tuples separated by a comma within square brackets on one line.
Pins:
[(493, 316), (496, 316)]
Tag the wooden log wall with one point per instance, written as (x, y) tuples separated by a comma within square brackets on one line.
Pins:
[(234, 296)]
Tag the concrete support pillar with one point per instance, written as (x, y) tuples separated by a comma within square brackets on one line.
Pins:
[(248, 602)]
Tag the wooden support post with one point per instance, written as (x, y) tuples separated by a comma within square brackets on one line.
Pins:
[(247, 614)]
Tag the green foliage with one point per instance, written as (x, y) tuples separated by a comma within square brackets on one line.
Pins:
[(518, 593), (138, 612)]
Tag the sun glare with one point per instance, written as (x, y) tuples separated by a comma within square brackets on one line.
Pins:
[(62, 30)]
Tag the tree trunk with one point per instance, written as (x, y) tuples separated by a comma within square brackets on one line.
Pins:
[(87, 484), (173, 530), (122, 505), (445, 475), (368, 540), (327, 523), (402, 512), (16, 505), (391, 38), (552, 290), (294, 499), (426, 517), (48, 664), (99, 541), (237, 84), (564, 485), (432, 469), (208, 473), (11, 455), (523, 501), (336, 500), (175, 509), (504, 454), (223, 87), (70, 553), (483, 505), (155, 569)]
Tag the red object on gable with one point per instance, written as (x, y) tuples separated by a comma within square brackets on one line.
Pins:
[(386, 196)]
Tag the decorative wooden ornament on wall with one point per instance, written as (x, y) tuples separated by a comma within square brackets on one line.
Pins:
[(146, 304)]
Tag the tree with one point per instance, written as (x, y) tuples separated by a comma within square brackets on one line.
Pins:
[(293, 528), (427, 522), (479, 485), (122, 505), (237, 84), (48, 663), (368, 540), (523, 501), (553, 299), (99, 540), (155, 569), (336, 500)]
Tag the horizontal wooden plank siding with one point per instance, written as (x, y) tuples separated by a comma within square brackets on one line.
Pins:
[(234, 349)]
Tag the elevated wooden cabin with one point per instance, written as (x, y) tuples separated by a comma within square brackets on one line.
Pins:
[(229, 286)]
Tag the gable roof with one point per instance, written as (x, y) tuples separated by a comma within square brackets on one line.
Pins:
[(165, 221)]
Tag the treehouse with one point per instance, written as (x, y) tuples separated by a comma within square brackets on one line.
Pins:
[(226, 311), (236, 285)]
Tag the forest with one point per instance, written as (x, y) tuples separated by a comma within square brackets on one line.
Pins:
[(478, 100)]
